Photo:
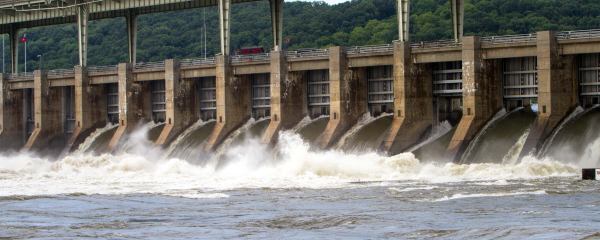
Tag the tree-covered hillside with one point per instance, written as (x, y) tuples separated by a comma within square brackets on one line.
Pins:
[(359, 22)]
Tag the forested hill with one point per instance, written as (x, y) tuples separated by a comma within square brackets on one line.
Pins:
[(359, 22)]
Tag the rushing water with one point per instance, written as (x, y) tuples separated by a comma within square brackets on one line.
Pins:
[(190, 144), (366, 135), (302, 193), (433, 149), (98, 141)]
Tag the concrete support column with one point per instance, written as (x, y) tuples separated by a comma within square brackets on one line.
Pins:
[(13, 35), (458, 18), (90, 108), (403, 18), (287, 99), (131, 19), (48, 138), (224, 24), (233, 103), (180, 103), (348, 97), (482, 96), (277, 23), (132, 107), (11, 116), (413, 101), (82, 33), (557, 90)]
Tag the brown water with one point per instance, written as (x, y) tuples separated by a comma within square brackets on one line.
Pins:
[(311, 132), (101, 142), (368, 137), (191, 147), (435, 150)]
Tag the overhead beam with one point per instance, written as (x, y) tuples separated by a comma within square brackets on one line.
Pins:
[(458, 18), (225, 24), (277, 23), (403, 18), (8, 12)]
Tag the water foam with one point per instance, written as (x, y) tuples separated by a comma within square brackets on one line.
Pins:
[(364, 120), (185, 135), (478, 195), (513, 154), (224, 147), (83, 147)]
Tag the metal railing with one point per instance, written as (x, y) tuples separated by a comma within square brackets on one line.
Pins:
[(198, 62), (371, 49), (307, 53), (22, 75), (103, 69), (149, 65), (61, 72), (582, 34), (435, 44), (520, 38), (251, 58)]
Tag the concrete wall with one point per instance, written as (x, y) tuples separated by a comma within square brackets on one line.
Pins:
[(557, 90), (348, 96), (181, 103), (48, 137), (288, 98), (11, 116), (233, 102), (413, 101), (482, 96)]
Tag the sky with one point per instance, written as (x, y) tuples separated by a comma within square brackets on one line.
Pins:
[(330, 2)]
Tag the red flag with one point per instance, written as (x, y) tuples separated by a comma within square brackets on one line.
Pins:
[(24, 39)]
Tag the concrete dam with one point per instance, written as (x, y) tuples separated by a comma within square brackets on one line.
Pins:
[(478, 100)]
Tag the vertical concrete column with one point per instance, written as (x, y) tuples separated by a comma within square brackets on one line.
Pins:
[(13, 36), (90, 108), (132, 107), (82, 33), (131, 18), (11, 116), (557, 90), (287, 98), (180, 103), (48, 138), (482, 96), (413, 101), (348, 97), (233, 103)]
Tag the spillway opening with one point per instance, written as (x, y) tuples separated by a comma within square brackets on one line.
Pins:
[(261, 95), (520, 81), (112, 103), (447, 91), (159, 105), (318, 93), (69, 111), (28, 113), (589, 79), (208, 98), (380, 90)]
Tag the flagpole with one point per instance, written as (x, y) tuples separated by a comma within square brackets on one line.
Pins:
[(204, 33), (25, 36), (2, 53)]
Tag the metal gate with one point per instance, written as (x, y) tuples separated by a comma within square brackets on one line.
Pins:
[(589, 79), (261, 96), (158, 101), (208, 98), (447, 91), (112, 103), (29, 113), (69, 111), (520, 81), (380, 90), (318, 93)]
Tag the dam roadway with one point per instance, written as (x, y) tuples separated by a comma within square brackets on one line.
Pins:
[(421, 83)]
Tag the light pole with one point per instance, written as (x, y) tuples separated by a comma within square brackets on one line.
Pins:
[(41, 65)]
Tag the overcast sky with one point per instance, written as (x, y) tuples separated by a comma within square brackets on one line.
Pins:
[(331, 2)]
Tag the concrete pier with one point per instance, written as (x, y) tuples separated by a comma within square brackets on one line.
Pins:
[(181, 104), (347, 89), (134, 103), (11, 117), (557, 90), (412, 101), (48, 138), (90, 108), (482, 95), (287, 98), (233, 102)]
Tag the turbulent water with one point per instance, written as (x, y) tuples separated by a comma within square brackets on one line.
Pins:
[(190, 144), (304, 193), (366, 135), (433, 149)]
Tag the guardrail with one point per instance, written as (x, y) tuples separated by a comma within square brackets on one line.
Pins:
[(435, 44), (371, 49), (61, 72), (149, 65), (198, 62), (582, 34), (22, 75), (520, 38), (103, 69), (307, 53), (251, 58)]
